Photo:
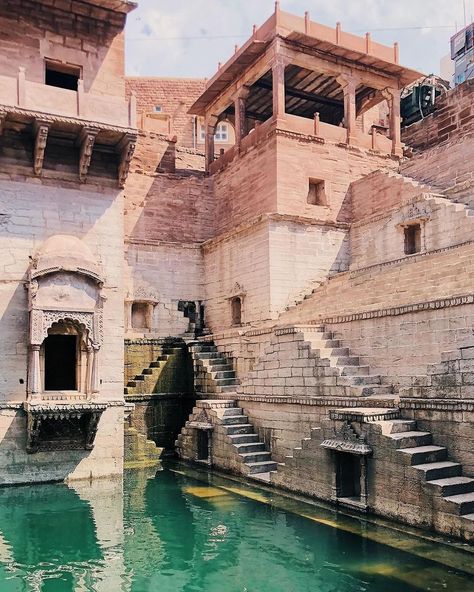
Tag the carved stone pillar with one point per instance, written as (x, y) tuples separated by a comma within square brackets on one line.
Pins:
[(349, 85), (95, 370), (34, 378), (210, 129), (278, 78), (240, 101), (363, 480), (392, 95), (88, 385)]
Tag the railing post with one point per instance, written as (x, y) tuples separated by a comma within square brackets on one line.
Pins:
[(21, 87), (316, 124), (80, 98)]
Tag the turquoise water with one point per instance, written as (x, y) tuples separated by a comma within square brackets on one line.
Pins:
[(181, 530)]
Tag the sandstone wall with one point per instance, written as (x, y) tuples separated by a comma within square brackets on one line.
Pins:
[(30, 212), (238, 264), (299, 160), (95, 43)]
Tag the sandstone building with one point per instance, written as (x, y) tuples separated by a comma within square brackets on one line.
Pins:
[(294, 293)]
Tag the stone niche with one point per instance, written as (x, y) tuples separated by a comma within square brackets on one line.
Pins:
[(65, 337)]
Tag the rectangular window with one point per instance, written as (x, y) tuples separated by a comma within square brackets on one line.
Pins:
[(412, 239), (221, 134), (158, 109), (62, 75), (317, 193)]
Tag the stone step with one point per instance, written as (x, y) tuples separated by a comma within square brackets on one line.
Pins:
[(346, 361), (463, 501), (139, 378), (468, 516), (157, 364), (255, 457), (453, 485), (368, 390), (220, 366), (411, 439), (147, 372), (250, 447), (320, 342), (162, 358), (132, 383), (220, 374), (402, 425), (226, 381), (369, 380), (234, 410), (334, 352), (355, 370), (125, 391), (210, 356), (261, 467), (237, 439), (205, 348), (440, 470), (234, 419), (245, 428), (425, 454), (229, 388)]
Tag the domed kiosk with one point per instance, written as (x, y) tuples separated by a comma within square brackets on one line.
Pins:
[(65, 308)]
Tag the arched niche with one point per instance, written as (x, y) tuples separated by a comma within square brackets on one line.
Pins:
[(65, 308)]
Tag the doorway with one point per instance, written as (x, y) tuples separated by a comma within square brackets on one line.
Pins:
[(203, 445), (60, 363), (348, 473)]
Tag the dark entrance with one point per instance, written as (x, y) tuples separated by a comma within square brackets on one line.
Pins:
[(203, 445), (348, 475), (60, 356)]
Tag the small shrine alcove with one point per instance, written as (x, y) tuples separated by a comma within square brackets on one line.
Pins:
[(65, 337)]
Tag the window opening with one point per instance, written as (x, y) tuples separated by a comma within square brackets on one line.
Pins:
[(412, 239), (62, 75), (236, 306), (348, 475), (316, 193)]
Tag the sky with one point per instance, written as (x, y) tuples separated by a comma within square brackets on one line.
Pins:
[(187, 38)]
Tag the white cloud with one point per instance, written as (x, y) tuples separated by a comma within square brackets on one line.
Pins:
[(161, 33)]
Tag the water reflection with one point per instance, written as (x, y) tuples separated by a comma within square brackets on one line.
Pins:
[(171, 532)]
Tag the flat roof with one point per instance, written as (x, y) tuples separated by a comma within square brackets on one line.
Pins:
[(312, 35)]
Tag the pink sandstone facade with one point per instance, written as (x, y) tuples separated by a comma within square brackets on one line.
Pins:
[(296, 301)]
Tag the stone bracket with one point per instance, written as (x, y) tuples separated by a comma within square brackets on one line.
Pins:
[(41, 131), (37, 414), (125, 148), (85, 142)]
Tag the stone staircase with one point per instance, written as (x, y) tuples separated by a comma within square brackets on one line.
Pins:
[(213, 372), (145, 382), (307, 360), (236, 445), (138, 450), (444, 477)]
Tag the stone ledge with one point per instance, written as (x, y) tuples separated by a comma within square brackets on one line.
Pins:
[(437, 404), (317, 401)]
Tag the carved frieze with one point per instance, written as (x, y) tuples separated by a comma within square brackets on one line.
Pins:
[(347, 440)]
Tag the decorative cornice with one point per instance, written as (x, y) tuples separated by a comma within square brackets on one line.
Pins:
[(51, 118), (447, 405), (400, 310)]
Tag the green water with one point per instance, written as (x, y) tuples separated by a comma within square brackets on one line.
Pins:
[(181, 530)]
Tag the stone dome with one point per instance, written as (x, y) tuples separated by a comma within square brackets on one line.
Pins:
[(65, 253)]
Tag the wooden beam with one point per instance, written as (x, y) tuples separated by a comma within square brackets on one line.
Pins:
[(302, 94), (41, 131)]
